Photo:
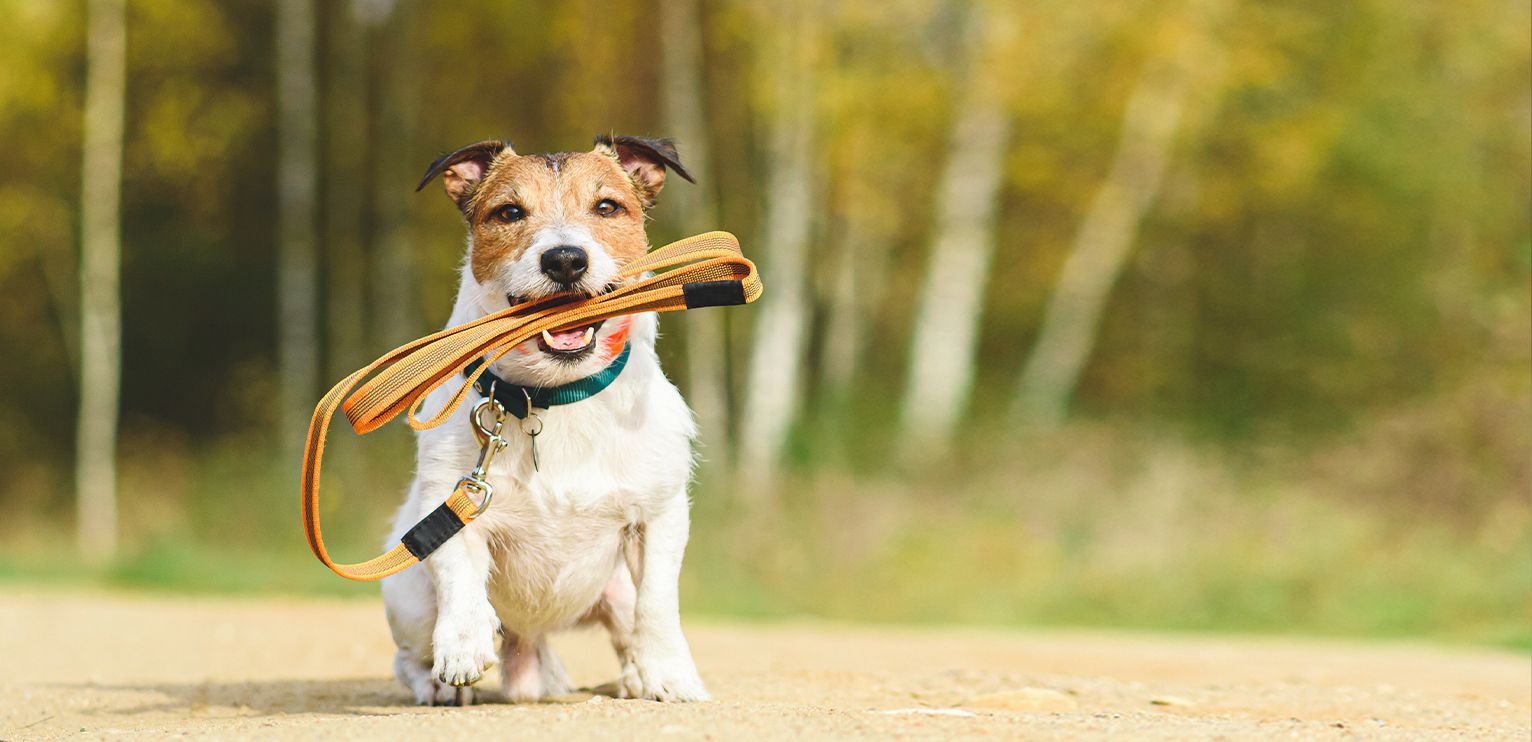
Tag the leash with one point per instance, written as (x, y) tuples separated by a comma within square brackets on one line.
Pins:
[(705, 270)]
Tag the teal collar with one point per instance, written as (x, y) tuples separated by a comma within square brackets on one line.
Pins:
[(514, 397)]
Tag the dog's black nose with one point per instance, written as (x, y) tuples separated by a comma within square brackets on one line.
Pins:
[(564, 264)]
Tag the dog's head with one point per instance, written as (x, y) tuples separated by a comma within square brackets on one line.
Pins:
[(547, 224)]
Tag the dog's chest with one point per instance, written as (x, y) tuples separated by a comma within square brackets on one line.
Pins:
[(556, 530), (607, 459), (551, 556)]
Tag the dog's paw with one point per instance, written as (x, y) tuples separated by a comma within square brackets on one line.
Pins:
[(669, 676), (428, 691), (463, 645)]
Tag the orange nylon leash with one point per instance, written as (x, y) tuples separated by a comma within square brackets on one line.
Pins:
[(700, 271)]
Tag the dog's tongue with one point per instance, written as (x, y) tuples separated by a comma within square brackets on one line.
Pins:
[(567, 339)]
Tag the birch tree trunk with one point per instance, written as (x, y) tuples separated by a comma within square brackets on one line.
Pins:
[(393, 271), (862, 261), (100, 257), (297, 191), (945, 336), (345, 102), (858, 269), (1102, 246), (706, 354), (776, 354)]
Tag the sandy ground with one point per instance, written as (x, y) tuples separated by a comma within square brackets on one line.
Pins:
[(114, 666)]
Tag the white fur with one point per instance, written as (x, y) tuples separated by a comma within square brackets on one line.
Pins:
[(559, 546), (524, 276)]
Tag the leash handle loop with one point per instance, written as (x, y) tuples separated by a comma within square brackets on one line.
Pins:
[(700, 271)]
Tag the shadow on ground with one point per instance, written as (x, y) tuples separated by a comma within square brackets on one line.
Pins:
[(359, 697), (370, 697)]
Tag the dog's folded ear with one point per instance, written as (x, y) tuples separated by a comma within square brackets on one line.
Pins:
[(462, 169), (645, 160)]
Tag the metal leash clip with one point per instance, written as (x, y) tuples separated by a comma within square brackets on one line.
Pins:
[(490, 443)]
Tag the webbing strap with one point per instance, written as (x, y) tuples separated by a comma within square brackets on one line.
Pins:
[(516, 399), (432, 531), (703, 270)]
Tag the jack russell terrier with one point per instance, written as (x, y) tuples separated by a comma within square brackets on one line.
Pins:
[(591, 515)]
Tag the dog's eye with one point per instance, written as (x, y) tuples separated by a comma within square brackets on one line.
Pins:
[(510, 213), (608, 207)]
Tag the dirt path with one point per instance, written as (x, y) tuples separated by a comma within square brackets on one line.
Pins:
[(110, 666)]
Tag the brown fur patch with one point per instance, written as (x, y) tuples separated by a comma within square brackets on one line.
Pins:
[(555, 160), (560, 189)]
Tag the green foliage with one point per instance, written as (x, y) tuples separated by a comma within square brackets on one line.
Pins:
[(1105, 526), (1121, 526), (1325, 319)]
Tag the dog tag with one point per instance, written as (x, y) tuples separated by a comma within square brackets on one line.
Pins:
[(532, 425)]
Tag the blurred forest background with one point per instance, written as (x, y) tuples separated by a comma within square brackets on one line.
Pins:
[(1205, 314)]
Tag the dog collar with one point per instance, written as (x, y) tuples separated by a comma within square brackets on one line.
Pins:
[(514, 397)]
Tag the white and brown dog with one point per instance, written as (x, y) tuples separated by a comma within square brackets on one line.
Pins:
[(595, 531)]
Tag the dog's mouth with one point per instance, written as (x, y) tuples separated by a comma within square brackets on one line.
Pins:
[(571, 342)]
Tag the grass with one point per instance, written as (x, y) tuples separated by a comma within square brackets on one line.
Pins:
[(1202, 549), (1097, 526)]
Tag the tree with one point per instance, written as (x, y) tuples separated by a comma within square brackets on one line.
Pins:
[(944, 342), (345, 111), (861, 267), (1106, 235), (776, 353), (297, 192), (681, 79), (396, 168), (100, 259)]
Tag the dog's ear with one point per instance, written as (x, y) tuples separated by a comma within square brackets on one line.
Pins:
[(461, 170), (645, 160)]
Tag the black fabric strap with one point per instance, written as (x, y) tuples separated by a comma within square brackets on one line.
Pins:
[(432, 531), (713, 293), (513, 397)]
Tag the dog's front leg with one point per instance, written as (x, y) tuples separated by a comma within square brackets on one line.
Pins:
[(659, 666), (463, 642)]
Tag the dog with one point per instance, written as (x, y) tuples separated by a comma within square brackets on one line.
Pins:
[(590, 519)]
